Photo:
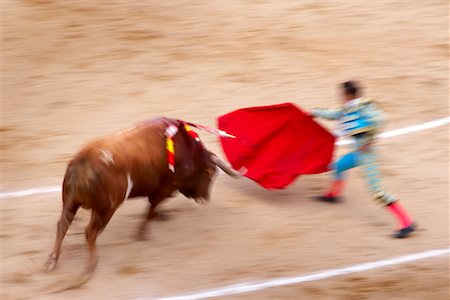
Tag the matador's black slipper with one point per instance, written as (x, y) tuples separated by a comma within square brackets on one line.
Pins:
[(405, 232), (329, 199)]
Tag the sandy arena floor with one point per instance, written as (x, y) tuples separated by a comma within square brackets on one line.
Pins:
[(76, 70)]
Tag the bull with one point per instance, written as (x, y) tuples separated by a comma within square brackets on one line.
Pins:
[(131, 164)]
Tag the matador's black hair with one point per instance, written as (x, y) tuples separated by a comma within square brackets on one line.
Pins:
[(351, 88)]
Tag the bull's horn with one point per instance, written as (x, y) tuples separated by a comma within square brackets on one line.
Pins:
[(225, 167)]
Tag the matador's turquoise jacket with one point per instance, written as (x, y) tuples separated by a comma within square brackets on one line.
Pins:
[(357, 117), (360, 119)]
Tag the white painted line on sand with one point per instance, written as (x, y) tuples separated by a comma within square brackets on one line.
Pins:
[(387, 134), (43, 190), (405, 130), (248, 287)]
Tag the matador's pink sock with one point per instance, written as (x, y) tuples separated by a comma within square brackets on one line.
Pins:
[(335, 189), (400, 214)]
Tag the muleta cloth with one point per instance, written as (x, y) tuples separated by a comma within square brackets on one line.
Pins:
[(275, 144)]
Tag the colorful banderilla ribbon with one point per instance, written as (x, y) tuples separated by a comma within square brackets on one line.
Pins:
[(171, 131)]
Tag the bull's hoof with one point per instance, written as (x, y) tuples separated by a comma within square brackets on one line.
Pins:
[(141, 237), (161, 217), (91, 266), (50, 264), (74, 282), (201, 201)]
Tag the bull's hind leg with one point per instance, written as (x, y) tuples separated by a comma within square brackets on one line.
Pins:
[(96, 225), (98, 222), (69, 210)]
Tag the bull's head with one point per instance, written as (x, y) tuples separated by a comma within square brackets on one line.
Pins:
[(196, 167)]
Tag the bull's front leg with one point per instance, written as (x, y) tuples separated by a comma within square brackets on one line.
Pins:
[(143, 227), (151, 213)]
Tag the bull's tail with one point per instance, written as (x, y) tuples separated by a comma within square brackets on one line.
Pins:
[(79, 183)]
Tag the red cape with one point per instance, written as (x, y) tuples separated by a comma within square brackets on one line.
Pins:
[(275, 144)]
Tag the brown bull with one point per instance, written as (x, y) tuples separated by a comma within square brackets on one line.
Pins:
[(131, 164)]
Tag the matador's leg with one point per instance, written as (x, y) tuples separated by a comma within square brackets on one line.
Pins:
[(370, 168), (345, 163)]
